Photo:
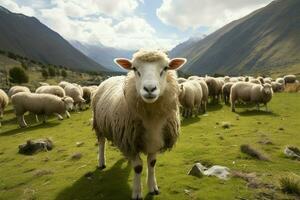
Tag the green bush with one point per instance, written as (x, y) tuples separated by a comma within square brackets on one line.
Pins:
[(51, 71), (18, 75), (45, 73), (64, 73)]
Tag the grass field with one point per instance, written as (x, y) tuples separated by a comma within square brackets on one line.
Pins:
[(54, 175)]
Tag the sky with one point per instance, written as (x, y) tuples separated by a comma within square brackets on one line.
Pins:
[(134, 24)]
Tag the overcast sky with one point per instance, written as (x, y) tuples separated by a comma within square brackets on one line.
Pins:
[(134, 24)]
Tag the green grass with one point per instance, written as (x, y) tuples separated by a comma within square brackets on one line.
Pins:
[(202, 139)]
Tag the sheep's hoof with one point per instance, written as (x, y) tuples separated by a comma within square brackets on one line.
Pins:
[(101, 167), (155, 192)]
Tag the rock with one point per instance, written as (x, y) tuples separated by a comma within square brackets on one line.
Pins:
[(219, 171), (292, 152), (76, 156), (35, 146), (197, 170), (79, 144), (226, 125)]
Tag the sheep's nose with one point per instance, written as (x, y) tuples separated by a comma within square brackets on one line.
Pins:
[(150, 88)]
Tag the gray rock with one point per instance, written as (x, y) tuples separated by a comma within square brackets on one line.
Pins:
[(197, 170), (35, 146)]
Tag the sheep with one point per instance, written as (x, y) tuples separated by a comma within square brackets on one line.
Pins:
[(255, 81), (3, 103), (190, 97), (76, 94), (88, 93), (261, 79), (214, 88), (51, 89), (250, 92), (226, 91), (181, 80), (139, 112), (15, 89), (280, 80), (289, 79), (193, 78), (226, 79), (45, 104), (277, 87), (204, 94), (63, 84), (234, 79), (268, 80), (43, 83)]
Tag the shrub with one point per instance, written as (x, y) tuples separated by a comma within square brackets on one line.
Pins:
[(64, 73), (51, 71), (290, 184), (18, 75), (45, 73)]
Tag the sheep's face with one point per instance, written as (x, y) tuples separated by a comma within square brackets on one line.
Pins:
[(151, 77), (267, 89), (69, 102)]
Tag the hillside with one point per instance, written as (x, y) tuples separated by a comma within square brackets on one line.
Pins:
[(28, 37), (102, 54), (266, 40)]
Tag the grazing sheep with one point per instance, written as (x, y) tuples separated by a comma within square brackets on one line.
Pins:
[(268, 80), (181, 80), (226, 79), (289, 79), (214, 88), (255, 81), (3, 103), (204, 94), (190, 97), (76, 94), (63, 84), (226, 91), (15, 89), (261, 79), (280, 80), (139, 113), (88, 93), (51, 89), (44, 104), (250, 92), (277, 87)]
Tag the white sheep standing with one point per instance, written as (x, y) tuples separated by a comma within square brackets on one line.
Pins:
[(250, 92), (280, 80), (15, 89), (88, 93), (76, 94), (205, 93), (63, 84), (43, 104), (226, 91), (139, 112), (3, 103), (51, 89), (214, 87), (181, 80), (289, 78), (277, 87)]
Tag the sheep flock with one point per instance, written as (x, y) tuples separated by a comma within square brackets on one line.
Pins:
[(141, 112)]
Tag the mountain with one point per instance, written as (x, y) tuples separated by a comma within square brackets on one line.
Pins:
[(28, 37), (102, 54), (265, 40)]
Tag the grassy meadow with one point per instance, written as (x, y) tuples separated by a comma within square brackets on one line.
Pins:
[(55, 175)]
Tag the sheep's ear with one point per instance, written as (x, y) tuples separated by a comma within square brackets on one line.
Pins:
[(176, 63), (123, 63)]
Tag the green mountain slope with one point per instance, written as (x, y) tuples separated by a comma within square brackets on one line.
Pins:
[(266, 40)]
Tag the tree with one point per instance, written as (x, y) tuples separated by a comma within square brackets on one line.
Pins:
[(64, 73), (45, 73), (51, 71), (18, 75)]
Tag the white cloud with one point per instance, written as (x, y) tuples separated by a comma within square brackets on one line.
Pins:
[(210, 13), (14, 7)]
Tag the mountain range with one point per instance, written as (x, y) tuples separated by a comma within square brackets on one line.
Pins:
[(267, 39), (28, 37)]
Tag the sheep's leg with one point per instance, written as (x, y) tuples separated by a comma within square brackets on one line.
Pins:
[(58, 116), (37, 118), (266, 107), (21, 121), (101, 153), (152, 185), (137, 185), (233, 106), (204, 107), (68, 114)]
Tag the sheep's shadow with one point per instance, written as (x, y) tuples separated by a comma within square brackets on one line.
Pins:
[(186, 122), (214, 106), (108, 184), (255, 112)]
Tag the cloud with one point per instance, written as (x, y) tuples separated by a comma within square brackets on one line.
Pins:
[(214, 14), (14, 7)]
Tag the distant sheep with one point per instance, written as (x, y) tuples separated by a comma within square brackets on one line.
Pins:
[(51, 89), (280, 80), (226, 91), (3, 103), (43, 84), (268, 80), (43, 104), (250, 92), (256, 81), (205, 93), (214, 88), (76, 94), (88, 93), (277, 87), (181, 80), (139, 112), (15, 89), (63, 84), (289, 79)]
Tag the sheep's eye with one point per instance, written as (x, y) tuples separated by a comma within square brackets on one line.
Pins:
[(164, 70), (136, 71)]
